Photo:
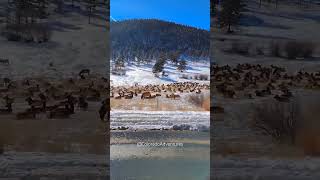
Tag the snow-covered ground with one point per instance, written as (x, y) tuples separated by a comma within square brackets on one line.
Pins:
[(231, 167), (40, 165), (143, 74), (146, 120), (75, 45)]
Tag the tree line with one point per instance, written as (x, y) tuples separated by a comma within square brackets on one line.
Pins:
[(174, 57), (147, 39)]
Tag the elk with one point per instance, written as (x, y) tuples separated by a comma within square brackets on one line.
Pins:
[(8, 108), (146, 95), (82, 102), (35, 103), (129, 95), (104, 110), (282, 98), (173, 96), (84, 71), (6, 82)]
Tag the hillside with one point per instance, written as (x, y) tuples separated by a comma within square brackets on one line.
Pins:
[(266, 35), (147, 37), (75, 43)]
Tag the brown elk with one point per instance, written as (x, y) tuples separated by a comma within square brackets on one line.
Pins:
[(282, 98), (8, 108), (173, 96), (84, 71), (35, 103), (104, 110), (146, 95), (129, 95), (82, 102), (117, 96)]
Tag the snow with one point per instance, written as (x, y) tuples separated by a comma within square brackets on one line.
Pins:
[(146, 120), (142, 74)]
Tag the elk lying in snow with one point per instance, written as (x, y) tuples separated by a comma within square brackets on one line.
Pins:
[(63, 112), (36, 103), (6, 81), (145, 95), (148, 95), (84, 71), (117, 96), (129, 95), (151, 91), (173, 96)]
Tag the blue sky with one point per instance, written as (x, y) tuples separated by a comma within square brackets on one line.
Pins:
[(194, 13)]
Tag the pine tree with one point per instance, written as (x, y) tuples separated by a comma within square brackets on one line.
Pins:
[(230, 14), (159, 65), (174, 57), (119, 62), (182, 65), (59, 4), (91, 7)]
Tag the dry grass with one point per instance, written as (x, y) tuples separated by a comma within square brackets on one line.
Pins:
[(278, 120), (163, 104), (296, 49), (200, 100), (81, 133), (275, 48), (309, 141), (206, 104), (295, 124), (308, 137)]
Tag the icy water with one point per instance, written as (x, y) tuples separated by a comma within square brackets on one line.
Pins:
[(188, 159), (143, 150)]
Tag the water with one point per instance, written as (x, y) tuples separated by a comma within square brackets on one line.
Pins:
[(192, 161), (189, 161)]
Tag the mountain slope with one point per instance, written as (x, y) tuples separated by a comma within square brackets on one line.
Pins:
[(149, 37)]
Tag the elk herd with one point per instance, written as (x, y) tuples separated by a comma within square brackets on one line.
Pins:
[(63, 98), (254, 81), (171, 91), (58, 99)]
